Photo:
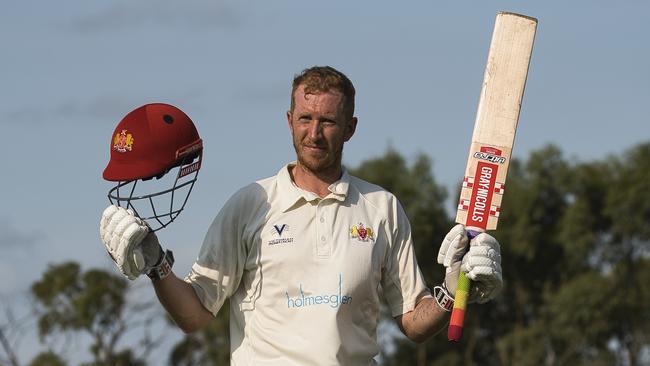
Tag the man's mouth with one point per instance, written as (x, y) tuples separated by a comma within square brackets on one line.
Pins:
[(314, 147)]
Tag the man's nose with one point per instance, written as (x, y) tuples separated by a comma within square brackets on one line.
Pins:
[(315, 130)]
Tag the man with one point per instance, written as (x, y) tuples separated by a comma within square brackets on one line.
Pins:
[(302, 255)]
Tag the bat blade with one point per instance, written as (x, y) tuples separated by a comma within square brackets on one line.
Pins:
[(496, 122)]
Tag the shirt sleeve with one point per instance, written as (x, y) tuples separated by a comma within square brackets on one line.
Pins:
[(402, 280), (218, 269)]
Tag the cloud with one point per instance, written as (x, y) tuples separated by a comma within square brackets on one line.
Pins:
[(70, 110), (105, 107), (10, 237), (192, 15)]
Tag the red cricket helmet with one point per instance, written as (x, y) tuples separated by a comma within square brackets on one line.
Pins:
[(148, 142)]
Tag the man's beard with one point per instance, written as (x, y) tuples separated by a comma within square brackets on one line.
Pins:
[(328, 163)]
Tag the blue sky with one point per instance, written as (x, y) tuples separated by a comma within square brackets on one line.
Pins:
[(72, 69)]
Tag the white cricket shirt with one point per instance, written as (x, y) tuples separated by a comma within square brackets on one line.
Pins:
[(303, 274)]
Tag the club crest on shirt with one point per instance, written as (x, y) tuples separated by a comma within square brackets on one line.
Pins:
[(362, 233), (123, 142)]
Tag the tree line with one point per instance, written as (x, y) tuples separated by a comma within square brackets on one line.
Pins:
[(576, 262)]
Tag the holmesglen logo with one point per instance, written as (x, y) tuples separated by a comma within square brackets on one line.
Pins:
[(333, 300)]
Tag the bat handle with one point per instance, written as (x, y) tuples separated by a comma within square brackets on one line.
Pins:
[(455, 330)]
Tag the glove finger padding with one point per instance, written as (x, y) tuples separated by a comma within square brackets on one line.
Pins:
[(110, 218), (451, 252), (482, 263), (122, 232), (103, 224), (453, 246), (110, 221)]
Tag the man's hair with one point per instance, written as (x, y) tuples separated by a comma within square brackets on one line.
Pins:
[(321, 79)]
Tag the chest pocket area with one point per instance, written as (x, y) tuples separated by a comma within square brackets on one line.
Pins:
[(365, 248)]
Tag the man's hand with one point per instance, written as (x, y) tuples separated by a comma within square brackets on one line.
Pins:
[(482, 263), (483, 266), (128, 240)]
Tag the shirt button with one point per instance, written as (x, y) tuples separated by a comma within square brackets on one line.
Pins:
[(322, 238), (322, 219)]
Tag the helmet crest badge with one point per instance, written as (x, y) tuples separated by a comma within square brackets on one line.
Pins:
[(123, 142)]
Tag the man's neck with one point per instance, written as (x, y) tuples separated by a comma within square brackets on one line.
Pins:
[(317, 183)]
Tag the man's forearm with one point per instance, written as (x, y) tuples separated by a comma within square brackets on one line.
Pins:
[(182, 303), (424, 321)]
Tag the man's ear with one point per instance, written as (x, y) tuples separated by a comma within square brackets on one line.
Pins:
[(289, 118), (350, 128)]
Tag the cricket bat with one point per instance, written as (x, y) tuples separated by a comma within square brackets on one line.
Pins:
[(494, 134)]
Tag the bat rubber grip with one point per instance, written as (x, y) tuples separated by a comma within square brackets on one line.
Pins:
[(455, 330)]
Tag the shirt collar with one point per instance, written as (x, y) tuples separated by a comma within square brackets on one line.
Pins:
[(340, 188), (291, 194)]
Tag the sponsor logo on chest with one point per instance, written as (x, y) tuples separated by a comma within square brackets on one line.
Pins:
[(280, 234), (307, 298)]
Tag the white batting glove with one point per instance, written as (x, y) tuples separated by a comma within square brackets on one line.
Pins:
[(483, 266), (133, 248), (482, 263), (450, 255)]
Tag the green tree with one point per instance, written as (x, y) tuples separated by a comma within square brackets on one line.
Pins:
[(210, 346), (627, 206), (575, 248), (93, 303), (48, 358)]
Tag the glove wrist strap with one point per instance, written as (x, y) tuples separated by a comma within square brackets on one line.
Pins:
[(163, 268), (444, 300)]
